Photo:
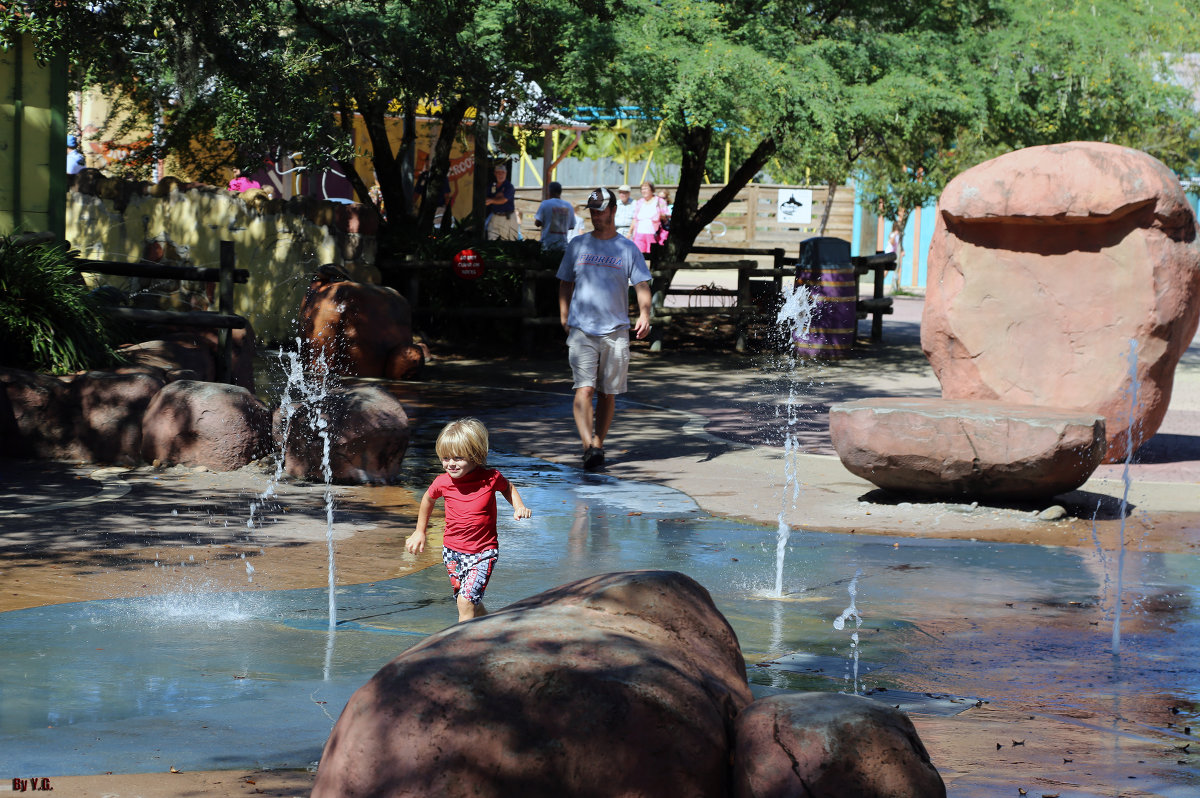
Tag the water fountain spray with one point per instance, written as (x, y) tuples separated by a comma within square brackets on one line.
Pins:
[(1134, 385), (849, 613), (305, 392), (793, 320)]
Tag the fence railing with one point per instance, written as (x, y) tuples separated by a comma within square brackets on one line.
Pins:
[(751, 301), (751, 220), (224, 277)]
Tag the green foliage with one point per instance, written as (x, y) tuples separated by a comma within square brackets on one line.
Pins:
[(296, 76), (500, 286), (48, 320), (40, 20)]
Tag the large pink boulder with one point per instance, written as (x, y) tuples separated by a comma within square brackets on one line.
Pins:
[(357, 329), (368, 436), (222, 427), (942, 448), (1046, 263), (620, 684), (830, 745)]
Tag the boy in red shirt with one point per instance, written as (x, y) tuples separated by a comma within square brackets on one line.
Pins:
[(470, 545)]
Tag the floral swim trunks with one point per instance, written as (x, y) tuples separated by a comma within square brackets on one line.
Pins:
[(469, 573)]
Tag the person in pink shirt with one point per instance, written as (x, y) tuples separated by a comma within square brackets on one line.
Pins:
[(243, 183), (648, 215), (470, 545)]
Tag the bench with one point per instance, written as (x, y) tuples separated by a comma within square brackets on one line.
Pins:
[(877, 305)]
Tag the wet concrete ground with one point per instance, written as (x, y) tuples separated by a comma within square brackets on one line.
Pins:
[(993, 612)]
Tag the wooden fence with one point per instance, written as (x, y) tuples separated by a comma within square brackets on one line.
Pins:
[(751, 220), (223, 320)]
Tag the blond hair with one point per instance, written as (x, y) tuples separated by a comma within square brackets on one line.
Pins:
[(464, 437)]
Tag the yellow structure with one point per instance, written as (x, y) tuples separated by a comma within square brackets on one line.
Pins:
[(280, 249), (33, 152)]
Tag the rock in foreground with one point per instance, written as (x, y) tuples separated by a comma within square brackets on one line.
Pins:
[(620, 684), (830, 745)]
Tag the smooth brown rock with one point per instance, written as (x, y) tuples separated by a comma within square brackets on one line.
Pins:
[(368, 431), (618, 685), (357, 329), (94, 417), (1046, 263), (967, 449), (11, 442), (829, 745), (40, 412), (196, 351), (222, 427), (110, 407)]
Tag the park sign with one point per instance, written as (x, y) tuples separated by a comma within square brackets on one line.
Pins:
[(468, 264), (795, 206)]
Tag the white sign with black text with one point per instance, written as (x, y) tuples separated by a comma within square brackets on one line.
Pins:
[(795, 206)]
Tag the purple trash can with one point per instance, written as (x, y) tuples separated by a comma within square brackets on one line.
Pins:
[(825, 269)]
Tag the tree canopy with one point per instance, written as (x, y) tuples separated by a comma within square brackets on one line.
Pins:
[(901, 96)]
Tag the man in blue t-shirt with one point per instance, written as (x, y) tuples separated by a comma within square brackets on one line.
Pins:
[(555, 217), (500, 202), (593, 302)]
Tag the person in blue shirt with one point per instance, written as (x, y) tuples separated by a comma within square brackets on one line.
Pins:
[(555, 217), (76, 163), (593, 301), (501, 204)]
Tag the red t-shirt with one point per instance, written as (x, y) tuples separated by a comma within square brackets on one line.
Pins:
[(470, 509)]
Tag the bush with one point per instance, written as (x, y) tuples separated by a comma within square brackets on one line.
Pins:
[(48, 319), (499, 287)]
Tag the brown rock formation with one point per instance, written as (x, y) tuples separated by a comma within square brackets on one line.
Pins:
[(221, 427), (95, 417), (361, 330), (620, 684), (830, 745), (1045, 264), (368, 431), (950, 449)]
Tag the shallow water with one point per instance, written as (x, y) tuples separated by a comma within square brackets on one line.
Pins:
[(196, 680)]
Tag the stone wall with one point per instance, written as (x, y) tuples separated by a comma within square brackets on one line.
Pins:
[(280, 242)]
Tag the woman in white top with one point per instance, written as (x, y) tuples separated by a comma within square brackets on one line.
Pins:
[(648, 213)]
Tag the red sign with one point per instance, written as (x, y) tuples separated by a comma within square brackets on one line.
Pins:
[(468, 265)]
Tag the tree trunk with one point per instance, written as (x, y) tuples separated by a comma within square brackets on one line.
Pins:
[(479, 210), (898, 225), (387, 166), (408, 152), (688, 219), (831, 189), (439, 163), (694, 151)]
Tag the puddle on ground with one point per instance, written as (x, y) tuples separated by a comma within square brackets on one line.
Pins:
[(199, 680)]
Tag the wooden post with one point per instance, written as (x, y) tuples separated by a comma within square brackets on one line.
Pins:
[(225, 336), (877, 317), (777, 280), (751, 214)]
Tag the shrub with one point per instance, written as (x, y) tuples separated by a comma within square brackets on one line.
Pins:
[(48, 319)]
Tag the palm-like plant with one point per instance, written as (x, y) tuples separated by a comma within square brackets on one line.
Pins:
[(48, 319)]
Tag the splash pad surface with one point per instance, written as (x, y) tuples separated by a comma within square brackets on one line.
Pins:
[(196, 679)]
